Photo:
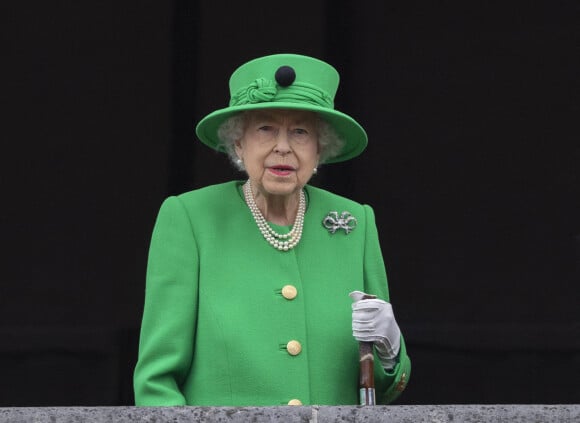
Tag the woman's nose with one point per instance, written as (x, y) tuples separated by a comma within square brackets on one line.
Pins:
[(282, 143)]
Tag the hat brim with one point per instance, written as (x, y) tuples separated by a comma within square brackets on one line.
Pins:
[(350, 131)]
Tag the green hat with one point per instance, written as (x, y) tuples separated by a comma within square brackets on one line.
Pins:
[(287, 81)]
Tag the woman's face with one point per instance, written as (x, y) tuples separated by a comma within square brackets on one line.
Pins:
[(279, 149)]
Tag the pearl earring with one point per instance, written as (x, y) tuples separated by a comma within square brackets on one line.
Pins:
[(240, 164), (315, 170)]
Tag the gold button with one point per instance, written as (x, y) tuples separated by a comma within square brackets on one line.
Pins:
[(294, 402), (402, 383), (289, 292), (293, 347)]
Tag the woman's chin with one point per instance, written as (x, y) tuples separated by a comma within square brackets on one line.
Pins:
[(280, 186)]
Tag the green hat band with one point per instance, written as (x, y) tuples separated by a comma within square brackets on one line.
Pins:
[(266, 90)]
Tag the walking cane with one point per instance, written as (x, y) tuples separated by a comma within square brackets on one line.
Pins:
[(366, 381)]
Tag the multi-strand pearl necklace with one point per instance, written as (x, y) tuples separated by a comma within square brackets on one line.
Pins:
[(282, 242)]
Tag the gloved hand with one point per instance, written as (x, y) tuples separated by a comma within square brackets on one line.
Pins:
[(373, 321)]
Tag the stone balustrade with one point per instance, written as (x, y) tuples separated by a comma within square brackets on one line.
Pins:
[(288, 414)]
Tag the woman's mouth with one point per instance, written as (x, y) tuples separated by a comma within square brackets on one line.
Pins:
[(281, 170)]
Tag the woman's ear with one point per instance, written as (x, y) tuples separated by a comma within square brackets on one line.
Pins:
[(238, 147)]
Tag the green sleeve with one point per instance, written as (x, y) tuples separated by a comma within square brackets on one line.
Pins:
[(388, 385), (169, 315), (398, 376)]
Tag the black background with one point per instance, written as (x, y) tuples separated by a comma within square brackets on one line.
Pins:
[(472, 169)]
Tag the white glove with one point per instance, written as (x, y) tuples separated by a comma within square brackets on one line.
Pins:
[(373, 321)]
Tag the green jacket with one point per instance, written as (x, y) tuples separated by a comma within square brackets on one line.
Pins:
[(216, 326)]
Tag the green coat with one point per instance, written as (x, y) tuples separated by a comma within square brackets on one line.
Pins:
[(216, 325)]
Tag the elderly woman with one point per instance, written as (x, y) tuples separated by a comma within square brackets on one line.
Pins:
[(247, 293)]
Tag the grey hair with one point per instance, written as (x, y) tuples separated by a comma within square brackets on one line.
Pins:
[(232, 130)]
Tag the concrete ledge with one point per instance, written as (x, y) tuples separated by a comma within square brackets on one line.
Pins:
[(313, 414)]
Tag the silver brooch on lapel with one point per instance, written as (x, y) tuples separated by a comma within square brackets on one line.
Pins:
[(334, 222)]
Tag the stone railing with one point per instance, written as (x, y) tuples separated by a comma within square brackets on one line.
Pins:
[(287, 414)]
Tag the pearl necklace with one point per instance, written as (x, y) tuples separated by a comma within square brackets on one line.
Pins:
[(282, 242)]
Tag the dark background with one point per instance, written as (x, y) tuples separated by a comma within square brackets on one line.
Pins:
[(472, 169)]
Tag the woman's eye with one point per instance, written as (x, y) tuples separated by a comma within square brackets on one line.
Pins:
[(265, 128), (300, 131)]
